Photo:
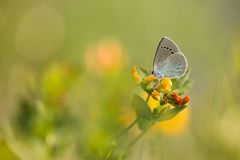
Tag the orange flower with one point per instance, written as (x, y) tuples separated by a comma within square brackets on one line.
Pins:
[(106, 56), (178, 100), (150, 78), (186, 99), (156, 95)]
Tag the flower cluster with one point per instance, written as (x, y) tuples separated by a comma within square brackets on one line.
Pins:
[(176, 100), (154, 87), (166, 91)]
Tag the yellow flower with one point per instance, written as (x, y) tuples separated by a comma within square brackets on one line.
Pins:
[(136, 75), (152, 103), (150, 78), (165, 84)]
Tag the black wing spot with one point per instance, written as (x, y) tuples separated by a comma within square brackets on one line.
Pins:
[(172, 52), (167, 47), (170, 49)]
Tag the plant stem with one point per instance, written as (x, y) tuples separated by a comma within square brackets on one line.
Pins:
[(134, 122), (128, 128), (148, 98), (137, 138), (131, 125), (143, 132), (109, 152)]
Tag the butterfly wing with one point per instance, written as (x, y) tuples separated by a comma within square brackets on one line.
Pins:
[(174, 66), (166, 47)]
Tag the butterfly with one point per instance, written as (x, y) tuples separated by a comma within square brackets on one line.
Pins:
[(169, 61)]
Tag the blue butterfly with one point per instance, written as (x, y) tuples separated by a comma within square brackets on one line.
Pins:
[(169, 61)]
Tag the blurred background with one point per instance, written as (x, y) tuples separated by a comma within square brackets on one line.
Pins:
[(66, 87)]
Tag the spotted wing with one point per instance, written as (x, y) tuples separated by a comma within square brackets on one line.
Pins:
[(174, 66), (166, 47)]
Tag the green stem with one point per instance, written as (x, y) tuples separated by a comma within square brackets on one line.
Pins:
[(148, 98), (108, 155), (143, 132), (109, 152), (137, 138), (133, 123), (122, 133)]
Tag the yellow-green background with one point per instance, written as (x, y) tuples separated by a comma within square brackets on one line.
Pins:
[(36, 35)]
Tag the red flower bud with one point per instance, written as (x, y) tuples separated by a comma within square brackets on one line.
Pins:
[(176, 97), (179, 100), (186, 99), (172, 95)]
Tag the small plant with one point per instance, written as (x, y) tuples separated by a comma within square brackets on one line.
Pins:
[(166, 84), (169, 94)]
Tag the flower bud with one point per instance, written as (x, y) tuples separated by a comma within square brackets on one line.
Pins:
[(186, 99), (179, 101), (172, 95), (150, 78), (178, 98), (175, 98), (165, 85), (155, 95), (136, 75)]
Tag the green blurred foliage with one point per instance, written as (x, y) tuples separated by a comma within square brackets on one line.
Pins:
[(52, 106)]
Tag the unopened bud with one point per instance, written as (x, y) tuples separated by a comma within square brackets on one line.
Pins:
[(136, 75), (186, 99), (165, 85), (155, 94), (150, 78)]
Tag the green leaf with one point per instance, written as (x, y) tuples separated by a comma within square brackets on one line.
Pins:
[(144, 123), (163, 116), (185, 87), (146, 88), (141, 108), (144, 71), (159, 109), (144, 114)]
